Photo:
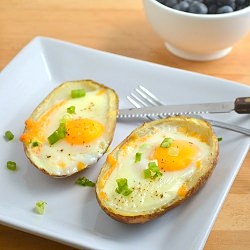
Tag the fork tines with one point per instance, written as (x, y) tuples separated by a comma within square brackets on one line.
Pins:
[(144, 98)]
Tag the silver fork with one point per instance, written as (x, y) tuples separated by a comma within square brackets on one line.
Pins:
[(145, 98)]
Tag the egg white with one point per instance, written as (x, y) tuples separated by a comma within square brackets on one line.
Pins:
[(54, 157), (149, 194)]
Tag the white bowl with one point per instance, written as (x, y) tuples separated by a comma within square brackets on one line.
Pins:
[(199, 37)]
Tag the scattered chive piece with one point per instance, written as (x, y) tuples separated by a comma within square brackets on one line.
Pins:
[(40, 207), (58, 134), (166, 143), (71, 110), (76, 93), (138, 157), (152, 171), (123, 187), (8, 135), (11, 165), (83, 181), (147, 173), (34, 144), (219, 138)]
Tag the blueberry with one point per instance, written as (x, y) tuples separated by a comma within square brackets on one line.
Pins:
[(198, 8), (225, 2), (182, 6), (240, 2), (209, 2), (230, 3), (240, 7), (212, 9), (224, 9), (171, 3)]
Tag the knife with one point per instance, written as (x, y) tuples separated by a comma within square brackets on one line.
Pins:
[(241, 105)]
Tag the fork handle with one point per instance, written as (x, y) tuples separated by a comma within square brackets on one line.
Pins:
[(242, 105)]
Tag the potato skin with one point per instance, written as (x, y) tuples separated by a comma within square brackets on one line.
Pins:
[(88, 85), (193, 187)]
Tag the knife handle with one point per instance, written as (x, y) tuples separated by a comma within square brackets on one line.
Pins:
[(242, 105)]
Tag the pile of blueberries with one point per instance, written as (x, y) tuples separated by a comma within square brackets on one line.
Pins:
[(206, 6)]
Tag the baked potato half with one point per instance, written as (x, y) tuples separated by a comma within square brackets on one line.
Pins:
[(157, 167), (71, 128)]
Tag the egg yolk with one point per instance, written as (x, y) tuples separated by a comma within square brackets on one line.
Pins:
[(81, 131), (176, 157)]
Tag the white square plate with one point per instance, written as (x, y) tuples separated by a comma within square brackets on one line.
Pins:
[(72, 214)]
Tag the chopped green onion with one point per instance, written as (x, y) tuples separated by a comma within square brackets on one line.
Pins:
[(152, 171), (152, 166), (8, 135), (34, 144), (123, 187), (147, 173), (166, 143), (83, 181), (76, 93), (58, 134), (138, 157), (40, 207), (219, 138), (71, 110), (11, 165)]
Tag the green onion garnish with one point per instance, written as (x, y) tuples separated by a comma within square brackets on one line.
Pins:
[(34, 144), (123, 187), (71, 110), (219, 138), (76, 93), (11, 165), (152, 171), (166, 143), (40, 207), (8, 136), (58, 134), (138, 157), (83, 181)]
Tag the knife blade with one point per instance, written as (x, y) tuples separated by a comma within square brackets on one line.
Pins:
[(241, 105)]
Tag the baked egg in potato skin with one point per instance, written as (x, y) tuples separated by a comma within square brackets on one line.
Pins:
[(156, 168), (71, 128)]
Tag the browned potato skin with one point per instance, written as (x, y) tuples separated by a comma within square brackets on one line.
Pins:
[(89, 84), (140, 219)]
